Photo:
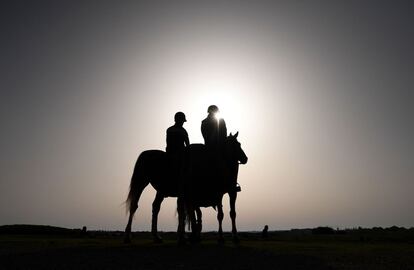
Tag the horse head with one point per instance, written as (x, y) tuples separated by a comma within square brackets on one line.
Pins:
[(234, 152)]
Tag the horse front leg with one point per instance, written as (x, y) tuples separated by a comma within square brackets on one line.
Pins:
[(156, 206), (220, 216), (233, 197), (199, 220)]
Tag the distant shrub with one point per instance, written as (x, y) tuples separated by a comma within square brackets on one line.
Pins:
[(323, 230), (36, 229), (395, 229)]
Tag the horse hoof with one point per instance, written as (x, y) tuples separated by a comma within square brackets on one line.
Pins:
[(158, 240), (182, 241), (195, 239), (127, 240)]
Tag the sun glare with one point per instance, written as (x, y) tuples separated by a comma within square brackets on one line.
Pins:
[(230, 104), (217, 116)]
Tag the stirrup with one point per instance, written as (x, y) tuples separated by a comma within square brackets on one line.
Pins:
[(238, 187)]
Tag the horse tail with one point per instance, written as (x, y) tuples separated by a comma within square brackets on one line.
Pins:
[(139, 181), (188, 213), (184, 209), (187, 217)]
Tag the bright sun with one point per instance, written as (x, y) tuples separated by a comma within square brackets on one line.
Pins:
[(217, 116), (213, 84), (230, 107)]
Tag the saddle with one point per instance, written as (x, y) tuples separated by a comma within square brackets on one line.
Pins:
[(173, 168)]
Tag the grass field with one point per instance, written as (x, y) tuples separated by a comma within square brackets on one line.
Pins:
[(283, 250)]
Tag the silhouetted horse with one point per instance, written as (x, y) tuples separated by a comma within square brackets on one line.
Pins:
[(207, 176), (153, 166)]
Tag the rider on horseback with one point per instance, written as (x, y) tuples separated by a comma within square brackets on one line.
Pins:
[(214, 129), (214, 132), (177, 136), (177, 141)]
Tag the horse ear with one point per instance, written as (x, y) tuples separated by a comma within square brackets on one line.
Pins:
[(237, 134), (230, 135)]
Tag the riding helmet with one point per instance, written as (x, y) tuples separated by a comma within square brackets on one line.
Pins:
[(212, 109), (180, 117)]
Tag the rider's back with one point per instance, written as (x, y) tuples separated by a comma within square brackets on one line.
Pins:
[(176, 138), (214, 131)]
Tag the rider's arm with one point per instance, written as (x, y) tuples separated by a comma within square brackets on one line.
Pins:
[(186, 139), (203, 130)]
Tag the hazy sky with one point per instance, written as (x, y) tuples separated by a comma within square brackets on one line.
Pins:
[(321, 92)]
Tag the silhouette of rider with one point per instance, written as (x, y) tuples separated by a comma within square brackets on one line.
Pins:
[(213, 129), (215, 133), (177, 140), (177, 136)]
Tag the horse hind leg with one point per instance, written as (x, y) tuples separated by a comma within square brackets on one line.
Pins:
[(138, 184), (195, 233), (181, 221), (156, 206), (127, 238)]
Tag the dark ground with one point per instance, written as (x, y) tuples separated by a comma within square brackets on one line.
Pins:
[(283, 250)]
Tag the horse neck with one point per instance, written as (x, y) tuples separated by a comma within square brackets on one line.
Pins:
[(231, 162), (228, 157)]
